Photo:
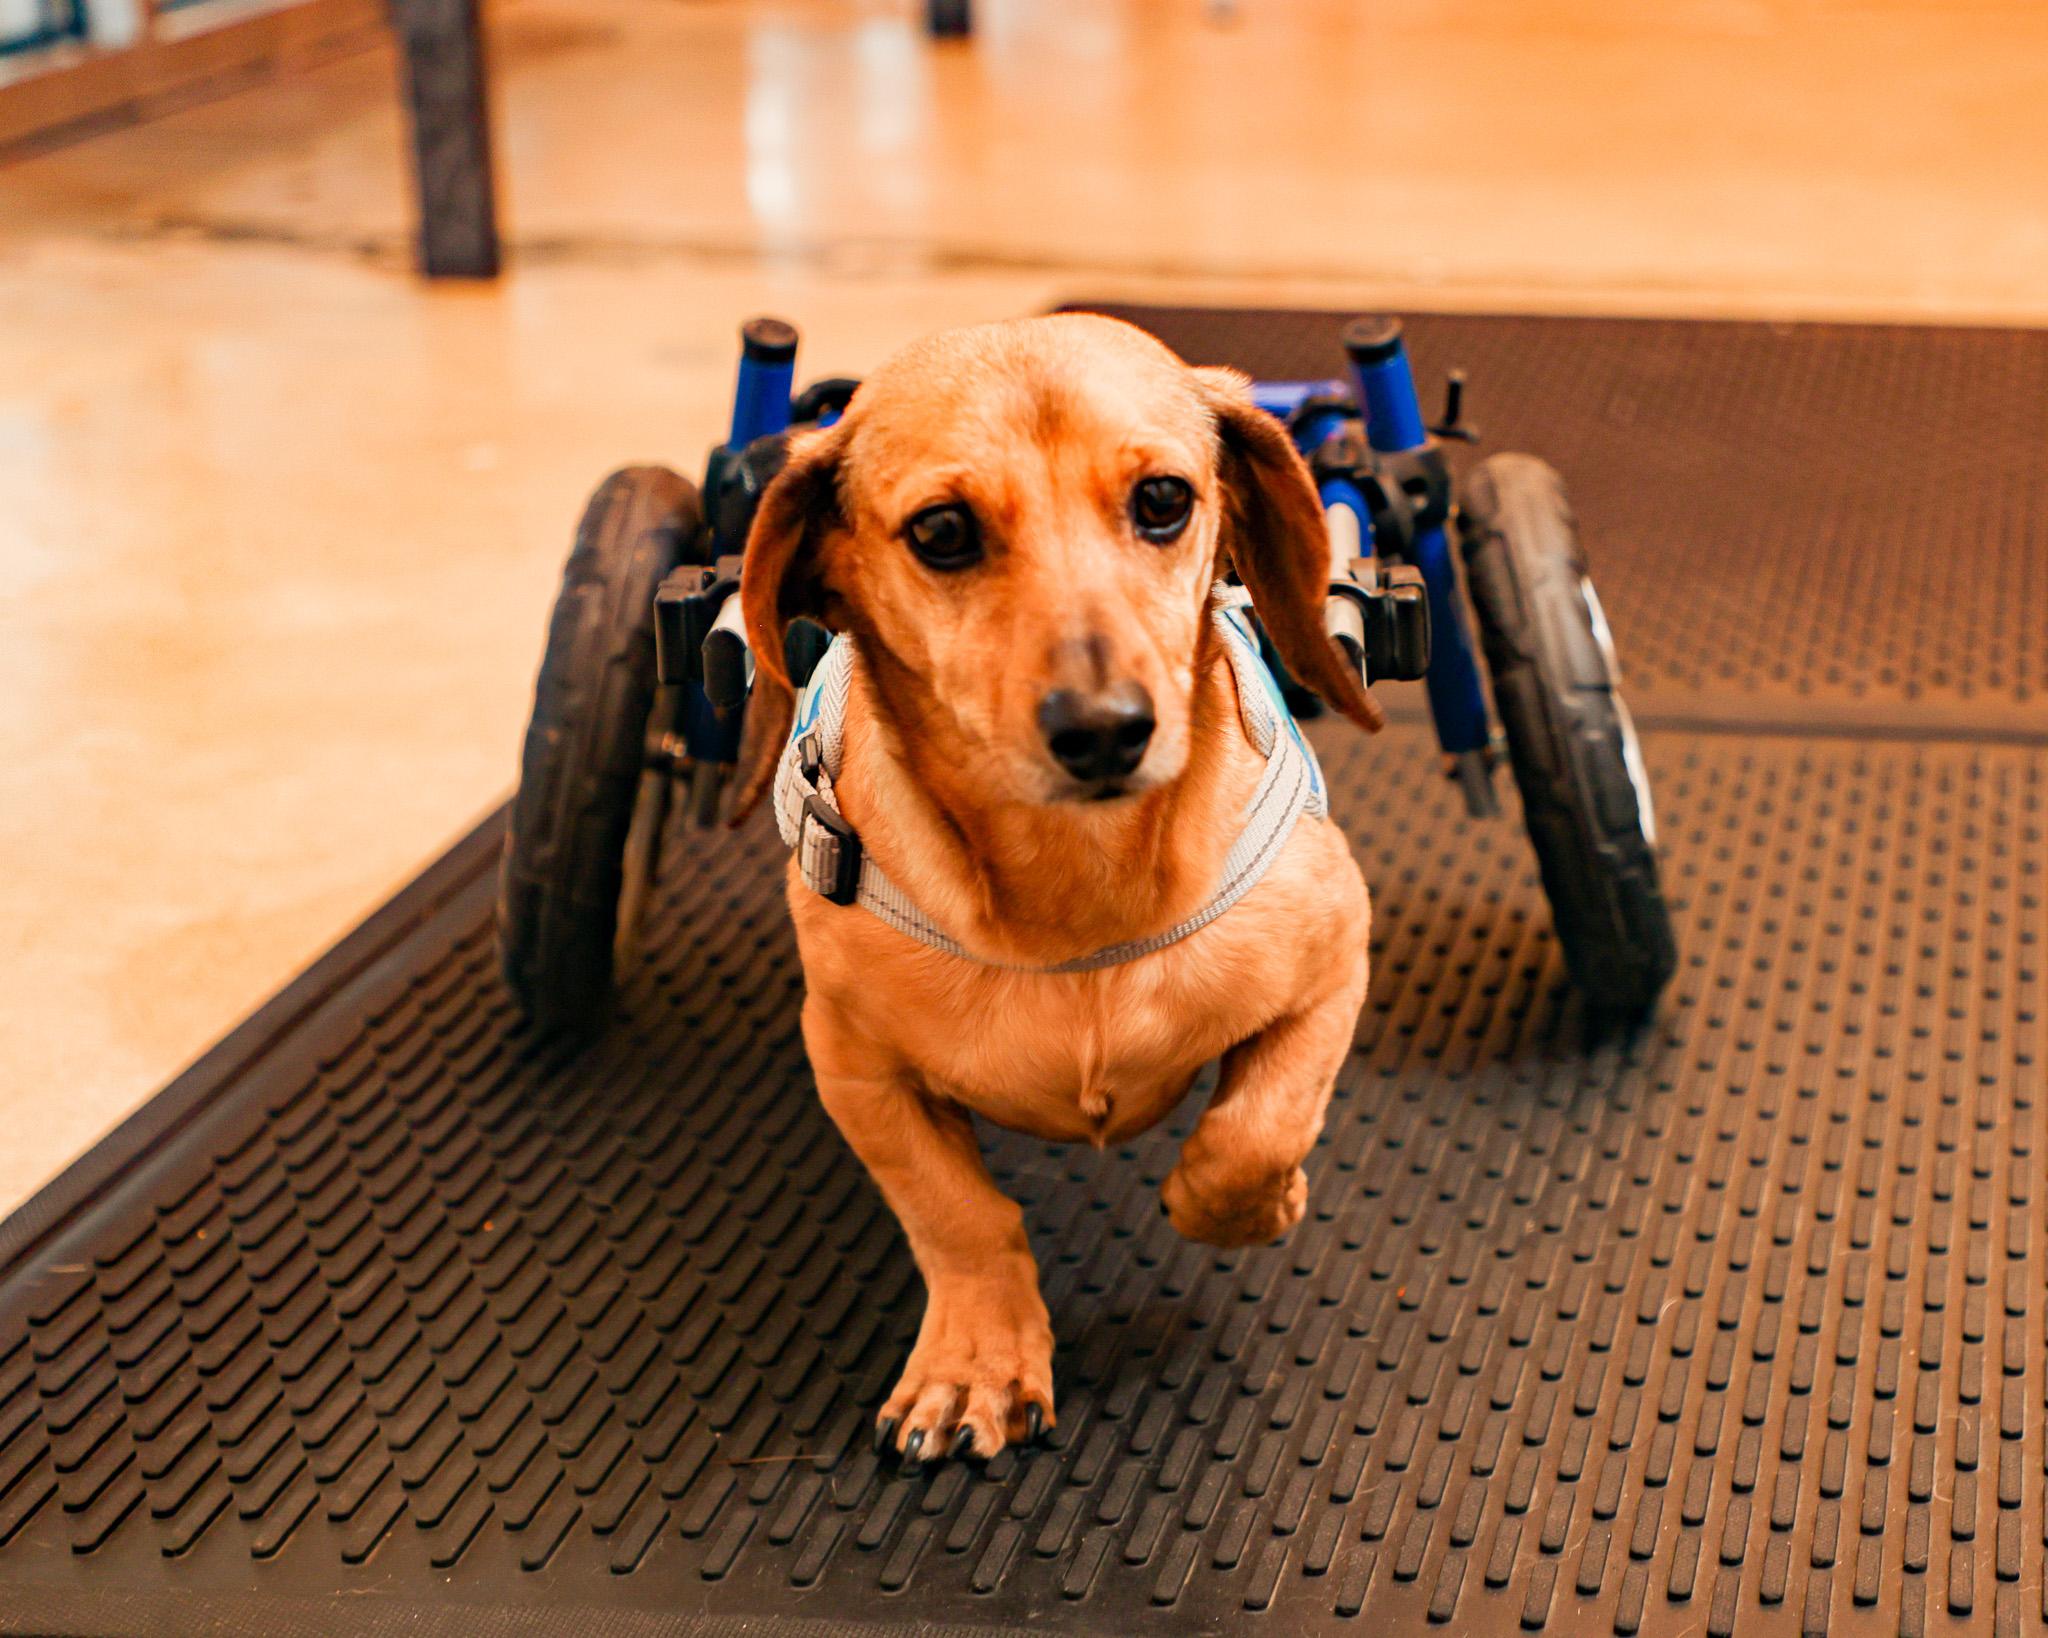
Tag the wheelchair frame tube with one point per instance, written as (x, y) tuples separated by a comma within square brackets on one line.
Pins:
[(1281, 399), (1394, 426), (1386, 391), (760, 399), (1343, 492), (760, 407), (1457, 701)]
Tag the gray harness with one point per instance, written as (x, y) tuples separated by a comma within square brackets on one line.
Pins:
[(833, 863)]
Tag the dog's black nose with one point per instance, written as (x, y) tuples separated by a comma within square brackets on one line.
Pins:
[(1100, 735)]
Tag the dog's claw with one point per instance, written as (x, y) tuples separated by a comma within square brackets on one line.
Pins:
[(981, 1357), (1034, 1423), (885, 1435), (963, 1443)]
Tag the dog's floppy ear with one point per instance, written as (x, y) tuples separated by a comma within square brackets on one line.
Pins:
[(780, 580), (1274, 532)]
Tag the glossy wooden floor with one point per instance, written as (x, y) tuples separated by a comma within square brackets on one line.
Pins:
[(279, 526)]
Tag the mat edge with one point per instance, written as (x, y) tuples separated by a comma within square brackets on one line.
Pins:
[(189, 1092), (1115, 307), (172, 1614)]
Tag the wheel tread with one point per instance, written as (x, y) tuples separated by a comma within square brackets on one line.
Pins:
[(1556, 699), (580, 761)]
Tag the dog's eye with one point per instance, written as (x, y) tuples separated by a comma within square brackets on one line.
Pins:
[(945, 537), (1160, 507)]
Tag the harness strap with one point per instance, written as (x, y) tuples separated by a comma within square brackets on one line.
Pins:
[(833, 864)]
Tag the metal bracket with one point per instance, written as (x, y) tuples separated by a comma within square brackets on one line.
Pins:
[(1451, 424), (1380, 618), (686, 606)]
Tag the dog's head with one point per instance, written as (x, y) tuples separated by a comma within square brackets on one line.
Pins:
[(1020, 524)]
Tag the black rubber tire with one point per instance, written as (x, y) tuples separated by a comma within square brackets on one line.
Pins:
[(580, 773), (1569, 738)]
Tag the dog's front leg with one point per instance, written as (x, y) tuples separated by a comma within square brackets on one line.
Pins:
[(980, 1374), (1239, 1181)]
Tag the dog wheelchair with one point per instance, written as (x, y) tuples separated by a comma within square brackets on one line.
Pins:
[(643, 685)]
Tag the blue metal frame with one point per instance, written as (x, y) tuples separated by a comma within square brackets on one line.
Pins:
[(1283, 398), (760, 398), (1393, 414), (761, 405), (1384, 389)]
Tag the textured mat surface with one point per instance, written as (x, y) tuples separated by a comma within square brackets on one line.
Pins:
[(1745, 1317), (1788, 523), (386, 1319)]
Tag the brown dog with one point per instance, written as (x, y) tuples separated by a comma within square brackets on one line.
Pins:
[(1019, 526)]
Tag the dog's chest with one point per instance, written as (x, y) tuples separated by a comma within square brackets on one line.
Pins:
[(1095, 1057), (1097, 1061)]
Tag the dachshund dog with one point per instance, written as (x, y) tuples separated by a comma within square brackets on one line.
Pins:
[(1018, 533)]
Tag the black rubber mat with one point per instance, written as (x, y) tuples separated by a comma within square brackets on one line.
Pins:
[(1749, 1317), (1790, 524), (389, 1319)]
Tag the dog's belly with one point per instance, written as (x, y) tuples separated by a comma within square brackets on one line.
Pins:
[(1103, 1108), (1096, 1065)]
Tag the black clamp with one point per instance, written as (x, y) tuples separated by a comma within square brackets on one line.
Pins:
[(686, 604), (1391, 640), (1404, 493), (822, 398), (1343, 454), (1325, 403), (1423, 481), (734, 481)]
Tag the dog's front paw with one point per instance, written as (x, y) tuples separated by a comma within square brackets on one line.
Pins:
[(1204, 1204), (980, 1376)]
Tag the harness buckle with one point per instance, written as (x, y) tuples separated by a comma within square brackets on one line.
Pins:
[(831, 863)]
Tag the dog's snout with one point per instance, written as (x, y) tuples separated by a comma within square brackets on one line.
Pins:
[(1097, 734)]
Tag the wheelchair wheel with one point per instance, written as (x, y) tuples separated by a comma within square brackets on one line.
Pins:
[(582, 842), (1585, 796)]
